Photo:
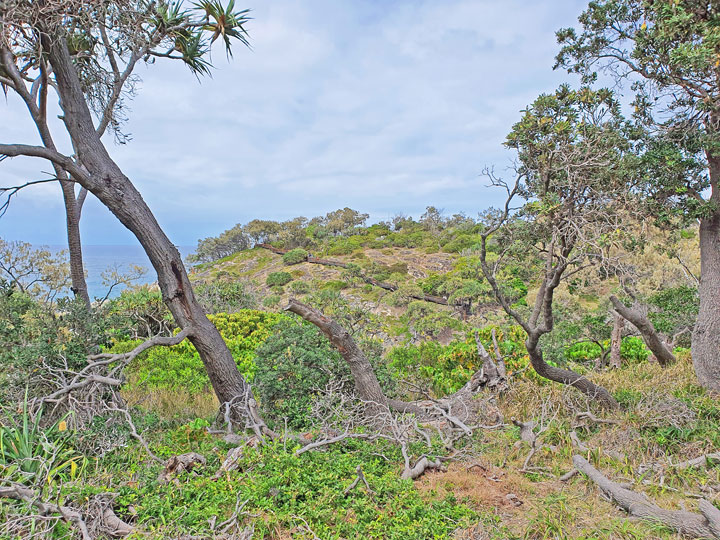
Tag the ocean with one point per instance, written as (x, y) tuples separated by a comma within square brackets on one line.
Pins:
[(98, 259)]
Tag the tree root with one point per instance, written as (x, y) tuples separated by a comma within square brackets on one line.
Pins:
[(703, 525)]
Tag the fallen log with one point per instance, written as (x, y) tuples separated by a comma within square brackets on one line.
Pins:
[(703, 525)]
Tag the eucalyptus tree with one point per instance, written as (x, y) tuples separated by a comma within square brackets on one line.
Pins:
[(569, 196), (670, 53), (86, 52)]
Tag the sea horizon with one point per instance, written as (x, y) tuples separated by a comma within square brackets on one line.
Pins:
[(97, 258)]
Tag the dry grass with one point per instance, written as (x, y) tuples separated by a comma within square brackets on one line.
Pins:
[(176, 403)]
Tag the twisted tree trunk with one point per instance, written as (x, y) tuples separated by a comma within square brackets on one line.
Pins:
[(73, 209), (706, 335), (646, 328), (566, 376), (102, 177)]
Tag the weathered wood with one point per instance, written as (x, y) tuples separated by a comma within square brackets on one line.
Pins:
[(646, 328), (704, 525)]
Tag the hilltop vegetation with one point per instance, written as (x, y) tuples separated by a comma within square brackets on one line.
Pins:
[(528, 374)]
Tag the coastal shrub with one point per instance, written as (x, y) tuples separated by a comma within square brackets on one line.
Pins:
[(295, 256), (225, 296), (300, 287), (278, 278), (272, 300), (444, 369), (180, 366), (292, 364)]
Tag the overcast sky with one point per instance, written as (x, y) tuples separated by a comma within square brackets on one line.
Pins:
[(383, 106)]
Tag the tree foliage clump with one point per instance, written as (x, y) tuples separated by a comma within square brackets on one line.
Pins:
[(278, 279), (295, 256)]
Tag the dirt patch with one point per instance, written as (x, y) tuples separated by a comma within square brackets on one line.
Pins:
[(483, 486)]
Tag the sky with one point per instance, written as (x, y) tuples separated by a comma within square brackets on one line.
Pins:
[(385, 106)]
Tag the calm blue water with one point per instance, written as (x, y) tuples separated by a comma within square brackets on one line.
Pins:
[(97, 259)]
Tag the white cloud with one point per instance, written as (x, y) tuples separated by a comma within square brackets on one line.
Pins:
[(383, 106)]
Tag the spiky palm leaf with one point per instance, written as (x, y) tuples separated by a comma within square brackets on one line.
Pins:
[(224, 21)]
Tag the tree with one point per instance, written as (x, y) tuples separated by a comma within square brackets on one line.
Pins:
[(37, 272), (86, 52), (669, 50), (572, 152)]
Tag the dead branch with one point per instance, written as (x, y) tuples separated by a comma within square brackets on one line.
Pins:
[(703, 525), (182, 463), (360, 477), (702, 461), (498, 355), (21, 493)]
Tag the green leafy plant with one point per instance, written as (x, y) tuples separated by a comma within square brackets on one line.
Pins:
[(35, 451), (295, 256), (278, 279)]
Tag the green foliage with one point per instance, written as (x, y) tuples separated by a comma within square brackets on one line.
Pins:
[(300, 287), (271, 301), (295, 256), (285, 492), (143, 312), (292, 364), (180, 366), (633, 350), (676, 309), (224, 296), (278, 278), (669, 51), (32, 452), (444, 369)]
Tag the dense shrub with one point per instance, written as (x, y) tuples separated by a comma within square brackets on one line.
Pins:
[(300, 287), (224, 296), (291, 365), (295, 256), (446, 368), (278, 278), (180, 366)]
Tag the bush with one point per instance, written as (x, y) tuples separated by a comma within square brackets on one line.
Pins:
[(272, 301), (224, 296), (278, 278), (300, 287), (180, 366), (291, 364), (295, 256)]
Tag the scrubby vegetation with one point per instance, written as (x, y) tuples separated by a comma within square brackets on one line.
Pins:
[(528, 374)]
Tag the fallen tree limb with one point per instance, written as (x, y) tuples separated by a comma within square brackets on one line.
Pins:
[(703, 525), (24, 494), (367, 386), (702, 461)]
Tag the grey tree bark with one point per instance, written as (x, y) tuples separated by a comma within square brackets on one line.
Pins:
[(73, 210), (100, 175), (616, 340), (706, 334), (646, 328)]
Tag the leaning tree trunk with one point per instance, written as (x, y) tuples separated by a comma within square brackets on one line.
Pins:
[(566, 376), (706, 335), (72, 218), (616, 341), (367, 385), (107, 182), (646, 328)]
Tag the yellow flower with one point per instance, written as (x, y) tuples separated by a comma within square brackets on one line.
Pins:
[(62, 426)]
